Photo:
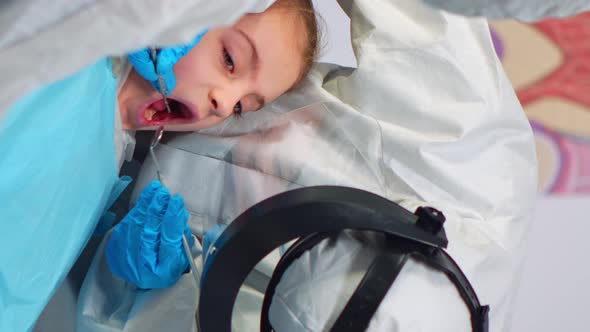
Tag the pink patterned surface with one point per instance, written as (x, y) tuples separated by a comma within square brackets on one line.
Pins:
[(572, 172), (570, 81)]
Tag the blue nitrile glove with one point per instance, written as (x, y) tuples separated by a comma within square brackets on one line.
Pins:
[(145, 248), (167, 57), (208, 240)]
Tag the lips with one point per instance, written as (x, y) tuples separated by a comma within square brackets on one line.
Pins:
[(155, 114)]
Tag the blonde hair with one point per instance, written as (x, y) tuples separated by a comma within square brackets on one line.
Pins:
[(307, 16)]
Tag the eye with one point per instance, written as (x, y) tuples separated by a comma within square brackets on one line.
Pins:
[(229, 62), (238, 110)]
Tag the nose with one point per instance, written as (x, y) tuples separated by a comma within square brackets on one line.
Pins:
[(223, 101)]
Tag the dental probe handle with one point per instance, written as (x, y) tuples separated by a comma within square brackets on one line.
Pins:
[(161, 85), (187, 251)]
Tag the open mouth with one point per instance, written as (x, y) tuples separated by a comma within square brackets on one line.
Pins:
[(156, 113)]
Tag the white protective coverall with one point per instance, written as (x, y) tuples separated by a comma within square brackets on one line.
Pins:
[(428, 118)]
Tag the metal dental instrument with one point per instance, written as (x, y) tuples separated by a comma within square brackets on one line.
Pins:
[(161, 85), (155, 141), (187, 250)]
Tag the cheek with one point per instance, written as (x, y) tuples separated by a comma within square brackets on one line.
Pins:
[(185, 72), (197, 66), (137, 83)]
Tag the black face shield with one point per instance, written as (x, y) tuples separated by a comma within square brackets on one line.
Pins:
[(311, 215)]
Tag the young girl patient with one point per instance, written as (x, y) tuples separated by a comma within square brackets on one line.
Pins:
[(231, 71)]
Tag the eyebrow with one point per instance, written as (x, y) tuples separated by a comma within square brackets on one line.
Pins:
[(256, 59)]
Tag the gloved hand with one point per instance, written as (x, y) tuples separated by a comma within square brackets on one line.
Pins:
[(210, 237), (167, 57), (145, 248)]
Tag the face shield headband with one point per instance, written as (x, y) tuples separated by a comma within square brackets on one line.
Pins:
[(313, 214)]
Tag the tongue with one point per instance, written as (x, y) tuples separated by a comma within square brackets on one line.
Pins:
[(160, 116), (159, 105)]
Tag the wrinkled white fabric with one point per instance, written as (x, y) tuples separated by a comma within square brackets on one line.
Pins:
[(43, 41), (428, 118), (454, 133), (525, 10)]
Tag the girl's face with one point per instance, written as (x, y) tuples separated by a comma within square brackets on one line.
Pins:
[(231, 70)]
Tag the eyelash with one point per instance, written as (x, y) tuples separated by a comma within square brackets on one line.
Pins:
[(238, 110), (228, 61), (229, 64)]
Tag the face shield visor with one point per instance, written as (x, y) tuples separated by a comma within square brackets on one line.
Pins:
[(223, 171), (315, 214)]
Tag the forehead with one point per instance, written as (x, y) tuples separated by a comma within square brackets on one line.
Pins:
[(277, 36)]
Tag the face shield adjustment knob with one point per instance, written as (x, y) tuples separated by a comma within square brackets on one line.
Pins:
[(430, 219)]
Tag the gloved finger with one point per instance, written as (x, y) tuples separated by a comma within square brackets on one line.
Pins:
[(138, 212), (157, 209), (136, 222), (174, 222), (167, 58), (150, 236), (116, 254), (210, 237), (173, 227), (208, 240), (143, 64)]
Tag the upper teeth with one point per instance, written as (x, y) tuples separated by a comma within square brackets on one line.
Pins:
[(149, 114)]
